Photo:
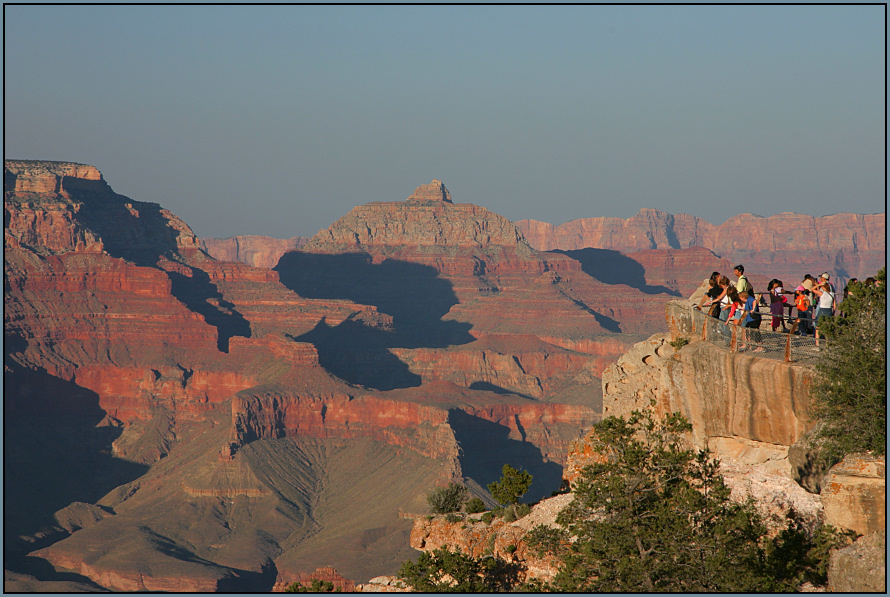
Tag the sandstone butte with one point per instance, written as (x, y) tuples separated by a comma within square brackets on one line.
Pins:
[(752, 413), (220, 423)]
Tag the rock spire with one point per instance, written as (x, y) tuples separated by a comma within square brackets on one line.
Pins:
[(435, 191)]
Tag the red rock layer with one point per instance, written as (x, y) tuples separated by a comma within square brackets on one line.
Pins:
[(132, 393), (326, 574), (180, 581), (415, 418), (77, 309), (147, 328), (521, 364)]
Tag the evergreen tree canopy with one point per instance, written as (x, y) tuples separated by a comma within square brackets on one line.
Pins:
[(512, 485), (656, 516), (851, 394), (446, 571)]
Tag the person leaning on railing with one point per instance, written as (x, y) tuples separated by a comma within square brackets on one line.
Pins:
[(726, 298), (750, 319), (710, 301)]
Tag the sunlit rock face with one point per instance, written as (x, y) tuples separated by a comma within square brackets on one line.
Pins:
[(736, 402), (855, 494), (784, 246), (255, 250)]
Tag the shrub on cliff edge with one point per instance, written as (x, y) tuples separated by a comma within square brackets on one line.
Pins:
[(656, 516), (474, 506), (446, 571), (851, 393), (443, 500)]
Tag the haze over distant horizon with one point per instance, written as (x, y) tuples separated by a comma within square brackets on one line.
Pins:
[(277, 120)]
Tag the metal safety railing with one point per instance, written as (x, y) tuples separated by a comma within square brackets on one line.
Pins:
[(783, 345)]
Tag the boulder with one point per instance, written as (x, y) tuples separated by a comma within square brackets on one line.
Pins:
[(855, 494), (861, 567)]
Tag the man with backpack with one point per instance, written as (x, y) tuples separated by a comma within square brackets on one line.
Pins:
[(743, 285)]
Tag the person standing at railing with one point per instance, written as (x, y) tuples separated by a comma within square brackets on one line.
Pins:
[(826, 305), (711, 300), (804, 305), (752, 321), (777, 304), (725, 298), (734, 314), (743, 285)]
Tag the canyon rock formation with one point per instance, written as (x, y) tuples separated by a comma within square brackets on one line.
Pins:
[(255, 250), (222, 421), (784, 246), (748, 411)]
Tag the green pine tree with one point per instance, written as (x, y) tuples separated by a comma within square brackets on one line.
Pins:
[(850, 395), (656, 516), (446, 571), (512, 485)]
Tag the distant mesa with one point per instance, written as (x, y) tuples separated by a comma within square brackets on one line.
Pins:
[(435, 191)]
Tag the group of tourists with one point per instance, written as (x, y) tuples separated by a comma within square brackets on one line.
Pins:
[(737, 304)]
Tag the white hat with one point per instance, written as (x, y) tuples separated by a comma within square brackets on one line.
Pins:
[(825, 276)]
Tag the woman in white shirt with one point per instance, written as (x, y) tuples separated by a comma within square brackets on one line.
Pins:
[(825, 306)]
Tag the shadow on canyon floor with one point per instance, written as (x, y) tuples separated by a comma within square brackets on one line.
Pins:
[(412, 294), (614, 267), (486, 448), (358, 355), (490, 387), (53, 455)]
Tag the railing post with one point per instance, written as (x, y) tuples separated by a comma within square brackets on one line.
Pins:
[(733, 343), (788, 342)]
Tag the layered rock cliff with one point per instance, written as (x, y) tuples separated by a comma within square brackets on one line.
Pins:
[(225, 446), (783, 246), (749, 411)]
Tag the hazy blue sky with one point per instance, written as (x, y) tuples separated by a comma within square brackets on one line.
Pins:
[(277, 120)]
